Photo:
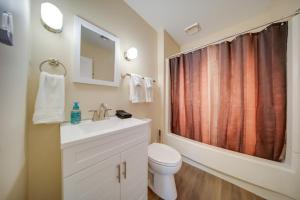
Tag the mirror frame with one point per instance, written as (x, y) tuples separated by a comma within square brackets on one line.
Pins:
[(78, 23)]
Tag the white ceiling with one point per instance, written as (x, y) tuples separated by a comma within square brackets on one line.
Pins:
[(212, 15)]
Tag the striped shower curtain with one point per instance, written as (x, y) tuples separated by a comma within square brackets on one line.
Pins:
[(233, 94)]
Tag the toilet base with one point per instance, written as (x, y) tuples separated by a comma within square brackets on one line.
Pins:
[(162, 185)]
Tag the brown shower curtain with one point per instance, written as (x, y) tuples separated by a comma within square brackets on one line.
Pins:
[(233, 95)]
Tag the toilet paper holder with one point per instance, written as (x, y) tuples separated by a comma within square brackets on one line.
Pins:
[(6, 29)]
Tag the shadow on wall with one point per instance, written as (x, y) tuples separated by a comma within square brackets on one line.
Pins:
[(44, 161), (14, 193)]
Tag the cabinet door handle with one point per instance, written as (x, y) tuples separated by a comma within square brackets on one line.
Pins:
[(125, 170), (119, 173)]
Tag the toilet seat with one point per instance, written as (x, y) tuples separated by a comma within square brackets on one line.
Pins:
[(164, 155)]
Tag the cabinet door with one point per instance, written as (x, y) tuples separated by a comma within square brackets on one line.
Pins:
[(134, 172), (98, 182)]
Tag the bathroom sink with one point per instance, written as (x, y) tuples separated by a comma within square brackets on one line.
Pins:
[(71, 134), (90, 126)]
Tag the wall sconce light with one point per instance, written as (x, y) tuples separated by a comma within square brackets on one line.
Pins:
[(131, 54), (51, 17)]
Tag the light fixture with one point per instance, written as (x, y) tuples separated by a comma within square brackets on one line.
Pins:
[(131, 54), (192, 29), (51, 17)]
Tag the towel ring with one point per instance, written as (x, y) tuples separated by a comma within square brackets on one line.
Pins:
[(53, 62)]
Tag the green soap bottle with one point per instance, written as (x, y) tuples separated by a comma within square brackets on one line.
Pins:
[(75, 113)]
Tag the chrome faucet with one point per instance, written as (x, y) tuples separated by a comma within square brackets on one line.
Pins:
[(100, 114)]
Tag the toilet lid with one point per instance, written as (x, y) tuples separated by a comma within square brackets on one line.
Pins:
[(163, 154)]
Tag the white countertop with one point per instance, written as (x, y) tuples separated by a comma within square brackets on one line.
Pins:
[(87, 130)]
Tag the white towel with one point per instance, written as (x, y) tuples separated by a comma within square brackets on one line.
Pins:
[(136, 89), (50, 100), (148, 89), (136, 79)]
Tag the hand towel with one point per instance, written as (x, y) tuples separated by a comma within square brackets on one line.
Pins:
[(50, 100), (136, 79), (148, 89), (136, 89)]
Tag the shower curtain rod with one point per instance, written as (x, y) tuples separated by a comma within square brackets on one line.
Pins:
[(235, 35)]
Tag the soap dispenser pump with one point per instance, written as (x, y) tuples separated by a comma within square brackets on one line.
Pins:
[(75, 113)]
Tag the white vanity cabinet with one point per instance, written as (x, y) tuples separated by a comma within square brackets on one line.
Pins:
[(105, 164)]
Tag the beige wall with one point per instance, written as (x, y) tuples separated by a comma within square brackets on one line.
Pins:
[(166, 46), (170, 45), (44, 177), (13, 80), (103, 60)]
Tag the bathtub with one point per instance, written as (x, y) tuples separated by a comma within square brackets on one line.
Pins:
[(260, 176), (269, 179)]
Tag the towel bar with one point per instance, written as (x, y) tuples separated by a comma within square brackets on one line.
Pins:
[(53, 62), (127, 74)]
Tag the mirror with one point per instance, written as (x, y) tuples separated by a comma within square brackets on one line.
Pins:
[(96, 55)]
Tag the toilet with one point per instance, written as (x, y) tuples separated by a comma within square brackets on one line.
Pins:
[(164, 161)]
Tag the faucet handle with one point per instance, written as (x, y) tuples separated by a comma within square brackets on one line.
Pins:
[(95, 115), (105, 115), (103, 105)]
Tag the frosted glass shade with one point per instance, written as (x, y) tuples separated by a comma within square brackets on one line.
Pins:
[(51, 17), (131, 53)]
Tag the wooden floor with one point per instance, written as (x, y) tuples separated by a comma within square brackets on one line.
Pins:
[(194, 184)]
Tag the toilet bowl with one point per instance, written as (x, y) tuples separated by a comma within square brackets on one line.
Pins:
[(164, 161)]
